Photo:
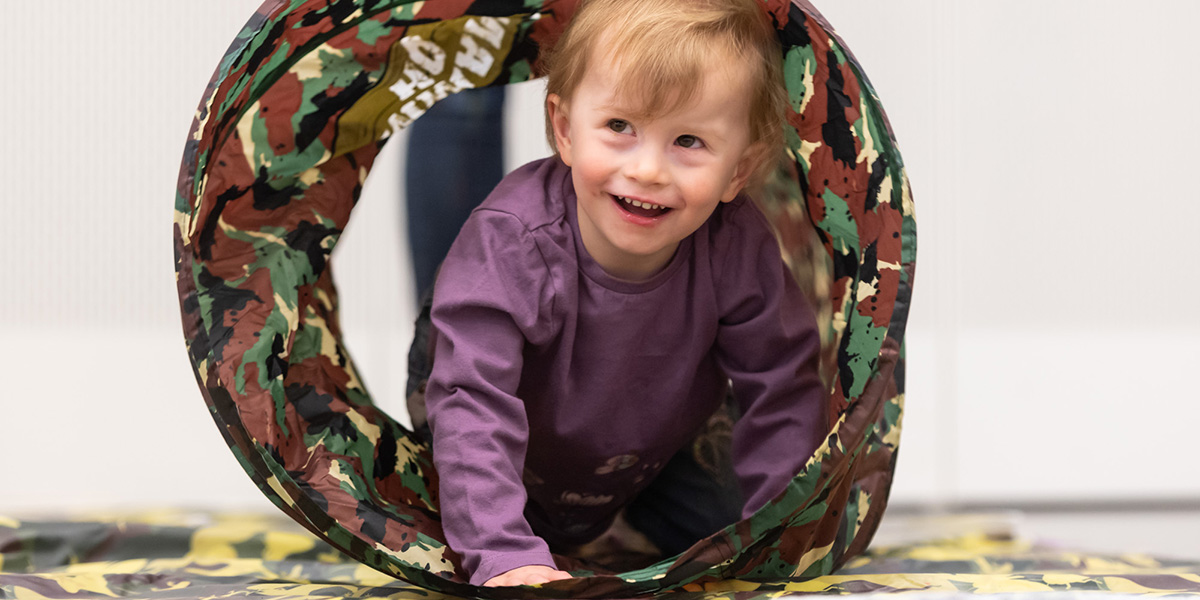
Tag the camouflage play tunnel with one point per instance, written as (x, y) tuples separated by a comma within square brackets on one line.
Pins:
[(284, 137)]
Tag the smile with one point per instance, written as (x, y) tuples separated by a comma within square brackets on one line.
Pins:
[(641, 209)]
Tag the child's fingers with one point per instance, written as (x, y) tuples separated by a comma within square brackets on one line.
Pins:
[(554, 576), (530, 575)]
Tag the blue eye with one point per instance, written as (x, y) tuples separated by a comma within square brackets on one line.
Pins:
[(689, 141), (618, 125)]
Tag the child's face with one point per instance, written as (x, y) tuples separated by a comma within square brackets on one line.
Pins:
[(678, 165)]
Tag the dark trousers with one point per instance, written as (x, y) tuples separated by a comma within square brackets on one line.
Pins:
[(455, 158)]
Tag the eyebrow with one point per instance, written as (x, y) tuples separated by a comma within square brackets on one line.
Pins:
[(620, 108), (641, 110)]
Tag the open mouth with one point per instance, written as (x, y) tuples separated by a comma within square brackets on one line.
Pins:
[(641, 209)]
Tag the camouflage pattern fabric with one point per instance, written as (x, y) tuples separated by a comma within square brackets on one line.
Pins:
[(283, 139), (188, 555)]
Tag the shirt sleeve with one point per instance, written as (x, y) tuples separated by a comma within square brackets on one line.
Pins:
[(768, 345), (491, 295)]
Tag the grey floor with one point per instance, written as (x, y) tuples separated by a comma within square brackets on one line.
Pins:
[(1173, 533)]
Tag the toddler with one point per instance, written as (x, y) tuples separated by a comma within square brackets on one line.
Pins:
[(595, 309)]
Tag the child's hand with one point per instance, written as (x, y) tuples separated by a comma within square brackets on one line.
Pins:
[(528, 575)]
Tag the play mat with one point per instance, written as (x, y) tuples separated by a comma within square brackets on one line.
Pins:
[(176, 554)]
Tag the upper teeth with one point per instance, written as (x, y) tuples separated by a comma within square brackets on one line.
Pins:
[(641, 204)]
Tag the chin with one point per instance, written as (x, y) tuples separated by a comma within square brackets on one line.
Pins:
[(639, 251)]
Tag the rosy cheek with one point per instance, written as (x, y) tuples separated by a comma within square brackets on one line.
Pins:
[(592, 171), (704, 185)]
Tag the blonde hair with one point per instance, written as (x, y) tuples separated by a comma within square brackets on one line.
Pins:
[(665, 46)]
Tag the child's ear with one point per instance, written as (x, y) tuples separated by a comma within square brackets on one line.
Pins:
[(751, 158), (556, 110)]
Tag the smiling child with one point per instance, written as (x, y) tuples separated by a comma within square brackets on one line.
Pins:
[(596, 308)]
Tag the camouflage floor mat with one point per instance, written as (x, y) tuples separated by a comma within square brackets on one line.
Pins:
[(189, 555)]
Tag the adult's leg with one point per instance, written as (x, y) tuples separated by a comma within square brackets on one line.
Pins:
[(455, 158)]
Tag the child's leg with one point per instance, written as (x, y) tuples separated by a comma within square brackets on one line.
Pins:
[(420, 365), (697, 493)]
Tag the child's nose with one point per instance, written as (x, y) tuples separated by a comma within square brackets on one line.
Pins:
[(646, 166)]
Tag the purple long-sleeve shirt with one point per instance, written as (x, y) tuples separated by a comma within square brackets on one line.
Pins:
[(558, 392)]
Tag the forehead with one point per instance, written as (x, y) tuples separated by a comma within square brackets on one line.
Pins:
[(620, 77)]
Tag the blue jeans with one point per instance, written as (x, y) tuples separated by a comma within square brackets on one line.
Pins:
[(455, 158)]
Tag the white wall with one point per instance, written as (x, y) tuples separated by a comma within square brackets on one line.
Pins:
[(1049, 145)]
